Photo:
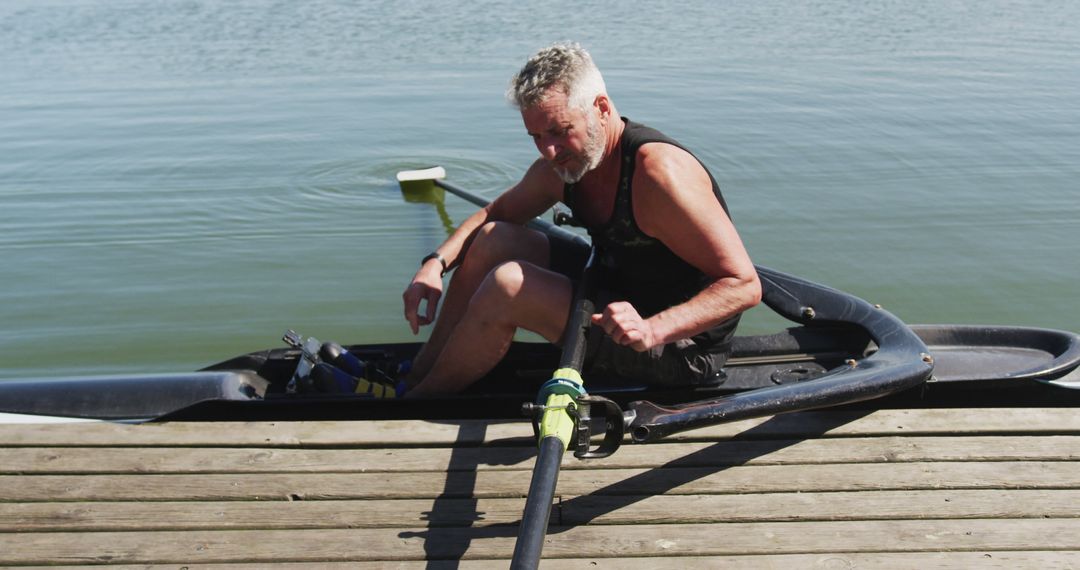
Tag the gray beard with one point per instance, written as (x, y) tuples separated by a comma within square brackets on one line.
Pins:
[(591, 155)]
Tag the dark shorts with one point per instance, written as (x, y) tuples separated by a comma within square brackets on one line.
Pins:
[(681, 363)]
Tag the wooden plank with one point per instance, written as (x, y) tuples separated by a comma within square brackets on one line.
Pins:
[(495, 484), (586, 509), (890, 449), (406, 433), (373, 433), (991, 560), (70, 517), (618, 541), (776, 452), (863, 505)]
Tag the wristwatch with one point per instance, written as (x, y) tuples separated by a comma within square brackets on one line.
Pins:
[(442, 261)]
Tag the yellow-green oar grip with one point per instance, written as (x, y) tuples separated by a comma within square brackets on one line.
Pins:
[(561, 393), (568, 374), (556, 421)]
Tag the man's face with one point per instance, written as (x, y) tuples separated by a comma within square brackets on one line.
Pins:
[(571, 140)]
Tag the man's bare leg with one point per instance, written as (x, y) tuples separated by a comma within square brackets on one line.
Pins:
[(514, 295), (494, 244)]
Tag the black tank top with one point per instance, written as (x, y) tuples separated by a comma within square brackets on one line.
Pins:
[(639, 268)]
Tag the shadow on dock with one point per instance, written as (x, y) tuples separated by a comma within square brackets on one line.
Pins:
[(445, 546)]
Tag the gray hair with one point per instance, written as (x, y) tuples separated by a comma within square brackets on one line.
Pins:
[(565, 66)]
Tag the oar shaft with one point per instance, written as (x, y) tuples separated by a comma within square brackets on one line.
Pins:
[(577, 327), (462, 193), (542, 226), (534, 522), (557, 426)]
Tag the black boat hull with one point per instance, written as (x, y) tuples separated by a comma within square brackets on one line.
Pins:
[(843, 351), (973, 365)]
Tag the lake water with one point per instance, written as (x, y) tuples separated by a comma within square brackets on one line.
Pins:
[(181, 181)]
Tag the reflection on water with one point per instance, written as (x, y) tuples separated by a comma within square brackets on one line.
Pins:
[(430, 194)]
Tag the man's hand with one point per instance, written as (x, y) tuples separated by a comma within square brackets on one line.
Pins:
[(427, 286), (621, 321)]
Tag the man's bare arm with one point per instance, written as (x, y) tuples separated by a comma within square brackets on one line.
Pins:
[(674, 202)]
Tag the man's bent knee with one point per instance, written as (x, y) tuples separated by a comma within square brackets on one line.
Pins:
[(498, 242), (506, 295), (521, 294), (502, 284)]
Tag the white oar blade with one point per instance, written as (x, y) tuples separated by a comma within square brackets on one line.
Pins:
[(424, 174), (419, 185)]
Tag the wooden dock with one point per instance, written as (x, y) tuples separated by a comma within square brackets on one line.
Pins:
[(935, 488)]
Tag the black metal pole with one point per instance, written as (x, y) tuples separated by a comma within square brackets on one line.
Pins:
[(557, 425), (534, 522)]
